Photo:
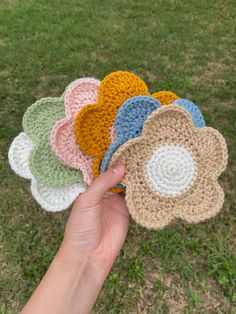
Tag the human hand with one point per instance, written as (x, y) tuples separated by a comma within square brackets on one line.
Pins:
[(98, 222), (94, 235)]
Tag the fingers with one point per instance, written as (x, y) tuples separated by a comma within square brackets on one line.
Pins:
[(104, 182)]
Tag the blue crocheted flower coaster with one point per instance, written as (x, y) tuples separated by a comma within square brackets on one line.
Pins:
[(129, 122), (194, 111)]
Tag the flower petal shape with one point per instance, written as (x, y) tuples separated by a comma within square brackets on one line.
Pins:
[(93, 123), (38, 122), (63, 142), (172, 169), (165, 97), (193, 109), (54, 199), (18, 154), (49, 198), (129, 122)]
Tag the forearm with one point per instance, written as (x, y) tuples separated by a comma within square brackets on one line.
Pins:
[(94, 234), (71, 285)]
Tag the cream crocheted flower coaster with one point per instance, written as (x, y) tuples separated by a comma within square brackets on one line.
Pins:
[(172, 170), (50, 198)]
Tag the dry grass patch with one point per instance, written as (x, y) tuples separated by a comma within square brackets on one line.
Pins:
[(211, 74)]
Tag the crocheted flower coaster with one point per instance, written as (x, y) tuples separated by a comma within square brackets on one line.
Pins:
[(165, 97), (63, 142), (93, 123), (194, 111), (172, 170), (18, 154), (37, 124), (129, 122), (50, 198)]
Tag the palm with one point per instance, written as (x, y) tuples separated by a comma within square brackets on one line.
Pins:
[(99, 230), (115, 221)]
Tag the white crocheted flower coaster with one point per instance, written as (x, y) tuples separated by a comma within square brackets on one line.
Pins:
[(50, 198)]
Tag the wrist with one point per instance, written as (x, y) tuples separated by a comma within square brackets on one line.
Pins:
[(71, 285), (96, 257), (74, 261), (80, 279)]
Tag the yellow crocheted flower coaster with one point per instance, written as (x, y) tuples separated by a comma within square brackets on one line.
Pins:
[(165, 97), (93, 123), (172, 170)]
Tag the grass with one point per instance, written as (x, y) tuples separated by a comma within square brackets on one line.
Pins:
[(185, 46)]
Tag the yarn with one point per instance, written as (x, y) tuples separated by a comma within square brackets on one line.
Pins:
[(63, 142), (54, 199), (129, 122), (173, 155), (171, 170), (193, 109), (93, 122), (37, 124), (49, 198), (172, 159), (165, 97), (18, 154), (112, 134)]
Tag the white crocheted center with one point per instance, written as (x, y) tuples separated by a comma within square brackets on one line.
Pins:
[(171, 170)]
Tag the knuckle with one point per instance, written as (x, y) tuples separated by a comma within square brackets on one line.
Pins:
[(86, 200)]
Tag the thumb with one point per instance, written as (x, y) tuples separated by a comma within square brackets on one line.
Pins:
[(104, 182)]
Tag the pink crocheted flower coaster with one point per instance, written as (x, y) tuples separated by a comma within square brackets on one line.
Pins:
[(63, 142)]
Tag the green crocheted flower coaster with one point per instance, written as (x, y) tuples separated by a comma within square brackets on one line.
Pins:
[(38, 122)]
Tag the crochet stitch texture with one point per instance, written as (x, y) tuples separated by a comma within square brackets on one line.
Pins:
[(63, 142), (172, 159), (129, 125), (194, 111), (93, 123), (172, 170), (37, 124), (165, 97), (50, 198), (129, 122)]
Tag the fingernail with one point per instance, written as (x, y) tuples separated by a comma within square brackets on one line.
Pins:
[(118, 169)]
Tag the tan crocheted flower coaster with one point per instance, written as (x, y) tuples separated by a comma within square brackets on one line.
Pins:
[(172, 170)]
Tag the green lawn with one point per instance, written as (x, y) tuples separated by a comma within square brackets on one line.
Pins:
[(186, 46)]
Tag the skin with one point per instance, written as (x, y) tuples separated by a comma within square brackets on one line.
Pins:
[(94, 235)]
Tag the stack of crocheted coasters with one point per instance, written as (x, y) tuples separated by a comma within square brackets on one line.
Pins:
[(172, 159)]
